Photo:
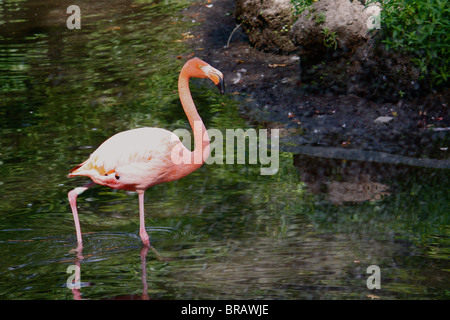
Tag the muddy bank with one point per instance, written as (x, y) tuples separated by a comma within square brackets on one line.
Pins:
[(273, 93)]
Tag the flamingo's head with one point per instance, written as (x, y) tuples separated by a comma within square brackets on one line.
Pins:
[(201, 69)]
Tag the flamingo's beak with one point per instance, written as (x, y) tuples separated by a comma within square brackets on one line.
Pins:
[(221, 85), (214, 75)]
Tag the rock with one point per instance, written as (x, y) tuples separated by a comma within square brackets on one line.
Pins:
[(267, 23), (338, 54), (383, 119), (343, 20), (271, 25)]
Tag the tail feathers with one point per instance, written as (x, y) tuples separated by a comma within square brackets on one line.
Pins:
[(79, 170), (88, 168), (76, 168)]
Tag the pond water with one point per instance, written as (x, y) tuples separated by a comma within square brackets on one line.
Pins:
[(224, 232)]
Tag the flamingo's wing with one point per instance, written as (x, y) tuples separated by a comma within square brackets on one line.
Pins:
[(133, 147)]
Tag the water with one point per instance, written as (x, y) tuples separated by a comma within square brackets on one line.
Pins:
[(224, 232)]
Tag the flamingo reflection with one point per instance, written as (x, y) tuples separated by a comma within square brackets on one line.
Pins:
[(76, 285)]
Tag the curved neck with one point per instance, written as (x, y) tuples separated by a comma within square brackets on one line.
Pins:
[(201, 138)]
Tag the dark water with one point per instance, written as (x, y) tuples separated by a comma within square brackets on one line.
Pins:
[(224, 232)]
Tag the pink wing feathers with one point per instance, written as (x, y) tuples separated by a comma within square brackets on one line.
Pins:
[(131, 160)]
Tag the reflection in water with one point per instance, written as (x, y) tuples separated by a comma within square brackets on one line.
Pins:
[(348, 180), (77, 280), (144, 253), (355, 191), (76, 285), (225, 231)]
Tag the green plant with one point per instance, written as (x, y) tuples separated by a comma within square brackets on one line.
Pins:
[(421, 29), (298, 6), (329, 38), (319, 17)]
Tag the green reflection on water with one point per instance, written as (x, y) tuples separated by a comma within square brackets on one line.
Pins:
[(228, 231)]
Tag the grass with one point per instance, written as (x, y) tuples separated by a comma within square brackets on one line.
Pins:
[(420, 29)]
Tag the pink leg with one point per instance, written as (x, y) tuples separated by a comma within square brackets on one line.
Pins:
[(73, 194), (144, 252), (142, 232)]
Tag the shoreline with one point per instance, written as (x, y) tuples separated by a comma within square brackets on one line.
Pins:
[(270, 93)]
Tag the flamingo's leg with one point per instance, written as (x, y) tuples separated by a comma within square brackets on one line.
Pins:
[(73, 194), (142, 232)]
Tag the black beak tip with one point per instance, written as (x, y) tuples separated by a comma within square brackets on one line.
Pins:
[(221, 86)]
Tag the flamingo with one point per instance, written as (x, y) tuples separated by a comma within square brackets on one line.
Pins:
[(137, 159)]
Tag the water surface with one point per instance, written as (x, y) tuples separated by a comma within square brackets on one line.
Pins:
[(225, 231)]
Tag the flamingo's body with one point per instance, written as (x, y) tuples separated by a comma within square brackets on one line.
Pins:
[(133, 160), (137, 159)]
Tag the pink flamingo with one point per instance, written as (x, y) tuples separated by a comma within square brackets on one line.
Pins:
[(137, 159)]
